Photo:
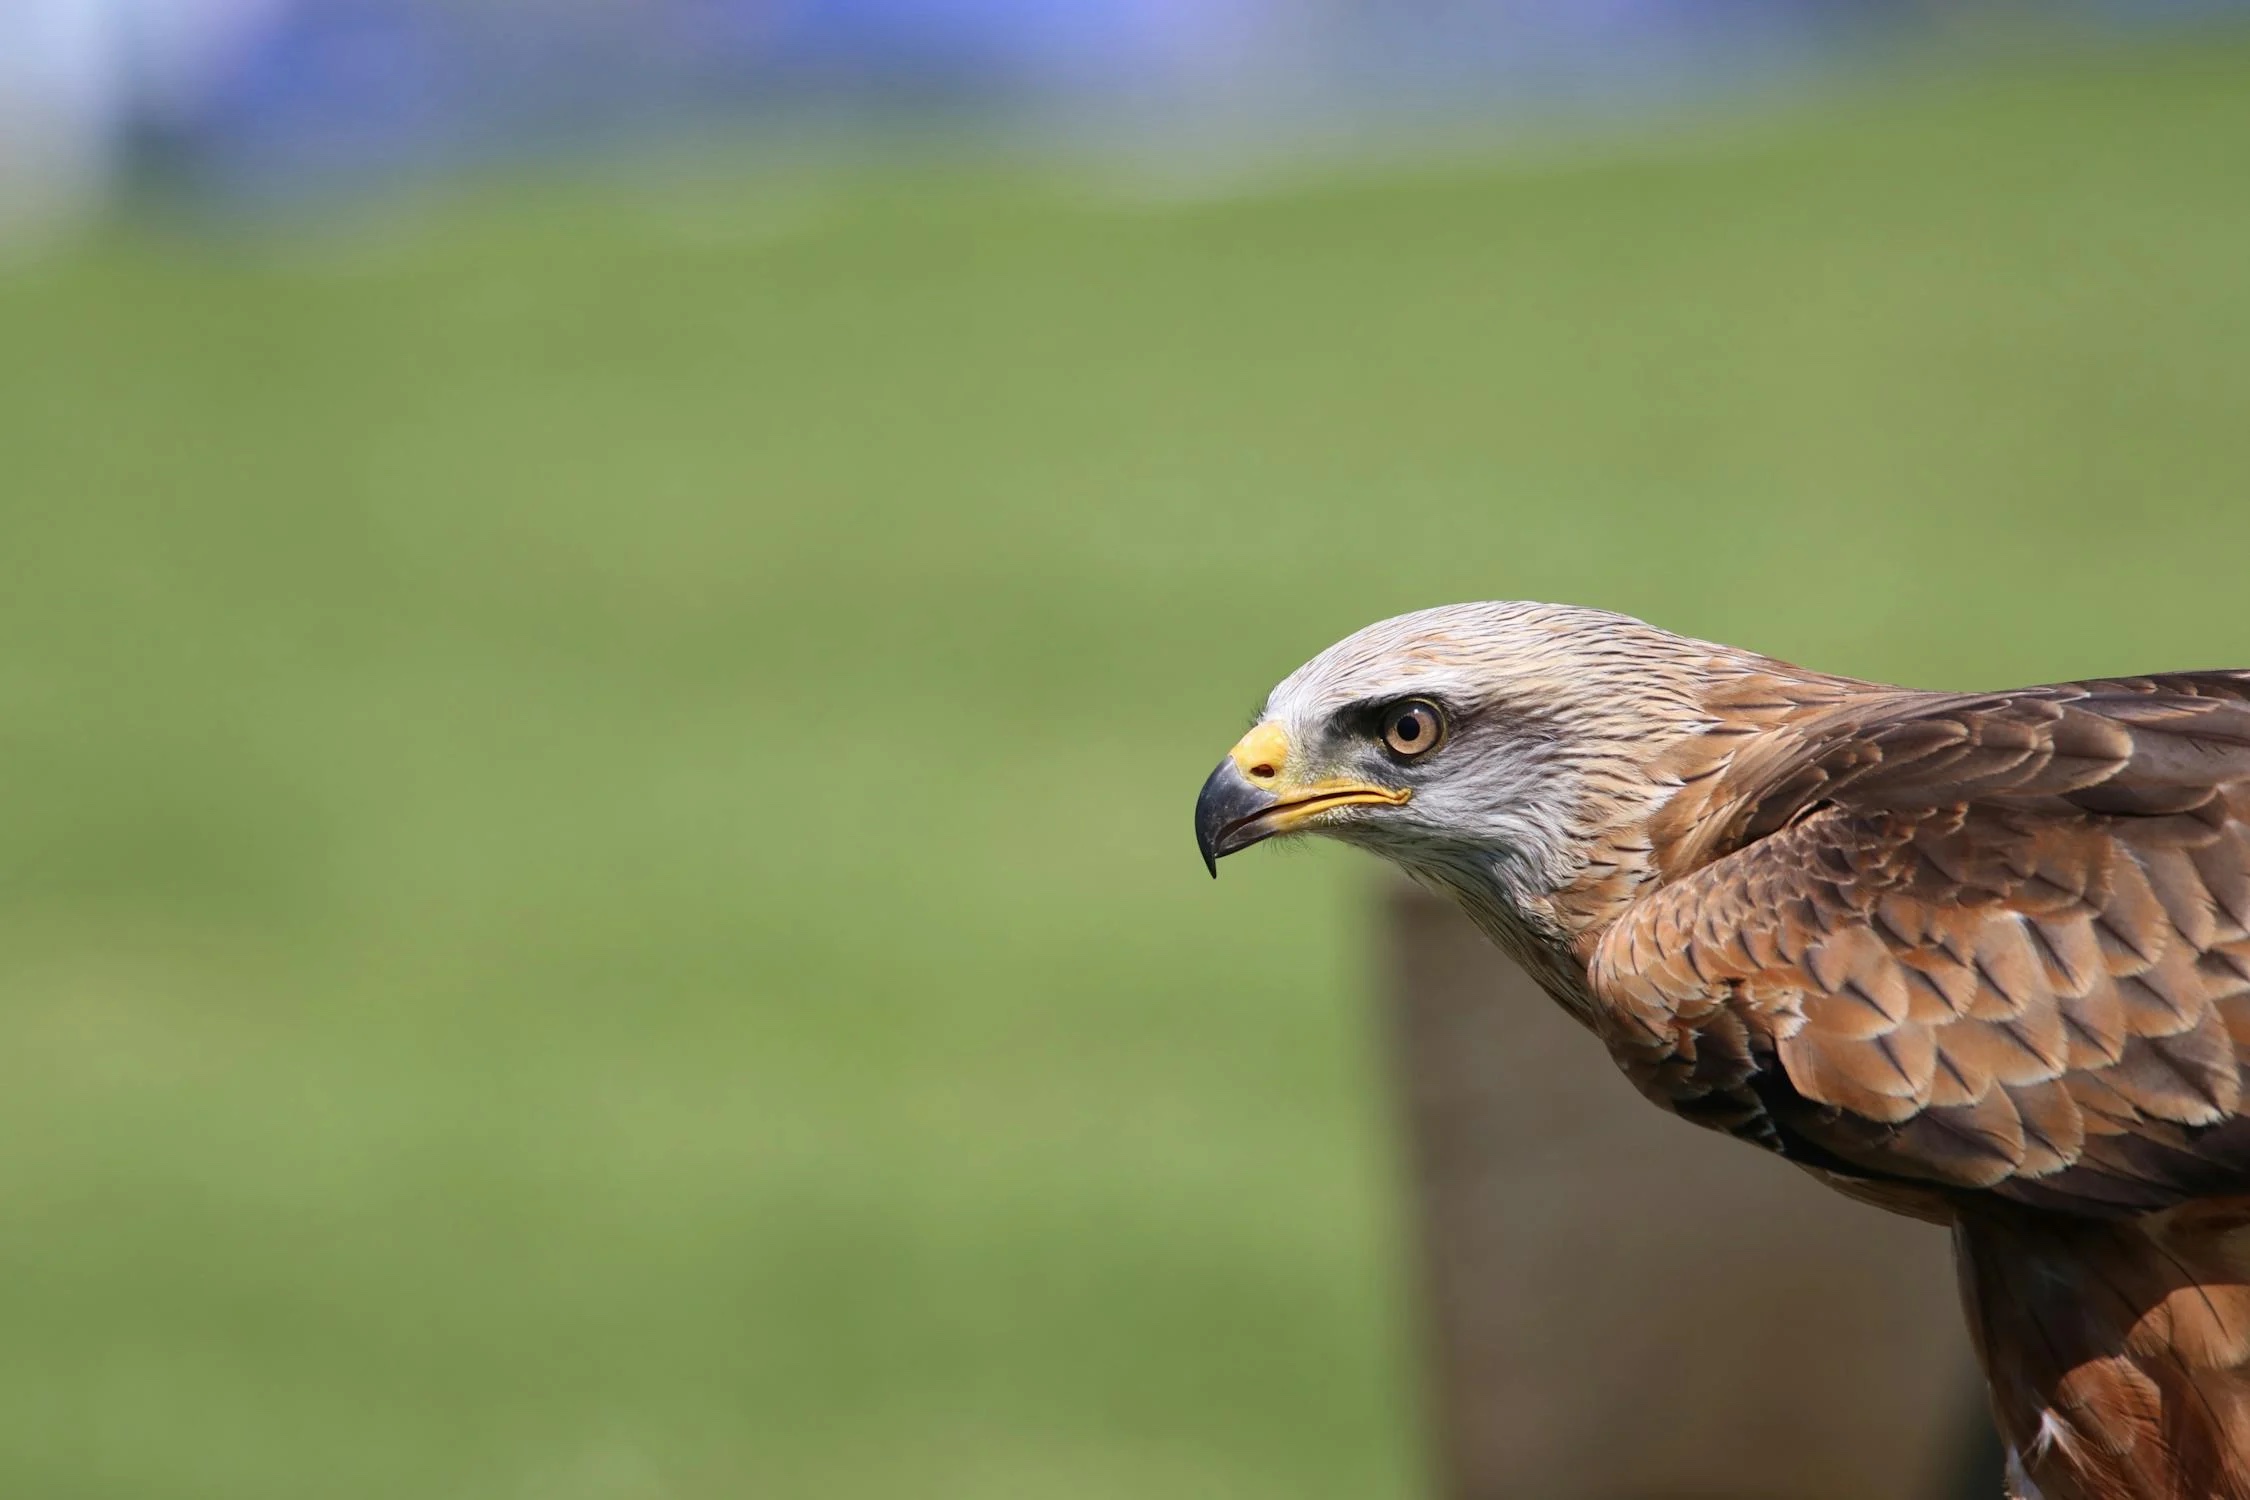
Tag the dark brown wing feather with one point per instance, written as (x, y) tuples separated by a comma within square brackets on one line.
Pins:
[(2118, 1350), (1988, 944)]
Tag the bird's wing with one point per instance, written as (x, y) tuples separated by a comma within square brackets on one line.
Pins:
[(1992, 943)]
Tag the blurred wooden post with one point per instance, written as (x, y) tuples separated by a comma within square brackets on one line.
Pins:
[(1619, 1306)]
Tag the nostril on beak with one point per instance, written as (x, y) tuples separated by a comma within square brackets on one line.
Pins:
[(1259, 755)]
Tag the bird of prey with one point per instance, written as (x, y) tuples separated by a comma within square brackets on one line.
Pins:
[(1982, 958)]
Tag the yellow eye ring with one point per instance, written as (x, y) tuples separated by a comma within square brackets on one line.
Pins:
[(1413, 728)]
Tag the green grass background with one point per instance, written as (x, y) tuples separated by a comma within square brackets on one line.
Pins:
[(595, 884)]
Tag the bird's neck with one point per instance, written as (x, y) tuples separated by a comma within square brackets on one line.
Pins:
[(1519, 915), (1641, 820)]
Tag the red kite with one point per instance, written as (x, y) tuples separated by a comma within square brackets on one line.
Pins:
[(1982, 958)]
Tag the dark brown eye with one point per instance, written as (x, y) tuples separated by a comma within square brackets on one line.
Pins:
[(1413, 727)]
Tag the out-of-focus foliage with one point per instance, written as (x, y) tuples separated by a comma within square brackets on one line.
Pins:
[(595, 886)]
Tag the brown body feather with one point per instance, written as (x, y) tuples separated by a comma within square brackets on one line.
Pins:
[(1987, 960)]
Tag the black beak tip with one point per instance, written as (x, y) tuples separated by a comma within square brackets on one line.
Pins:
[(1228, 802)]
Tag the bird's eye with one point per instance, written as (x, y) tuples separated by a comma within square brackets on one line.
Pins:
[(1413, 727)]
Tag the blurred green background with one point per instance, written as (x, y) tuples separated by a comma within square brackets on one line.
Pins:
[(598, 898)]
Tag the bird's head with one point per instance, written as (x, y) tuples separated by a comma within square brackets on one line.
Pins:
[(1498, 750)]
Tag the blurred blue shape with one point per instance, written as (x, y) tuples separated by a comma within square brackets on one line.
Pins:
[(336, 79), (987, 43), (287, 96)]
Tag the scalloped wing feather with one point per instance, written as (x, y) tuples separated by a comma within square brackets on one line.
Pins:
[(1997, 943)]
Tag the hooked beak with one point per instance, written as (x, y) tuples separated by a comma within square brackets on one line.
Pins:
[(1250, 798)]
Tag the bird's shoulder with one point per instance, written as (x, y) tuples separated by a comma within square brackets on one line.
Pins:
[(1990, 942)]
